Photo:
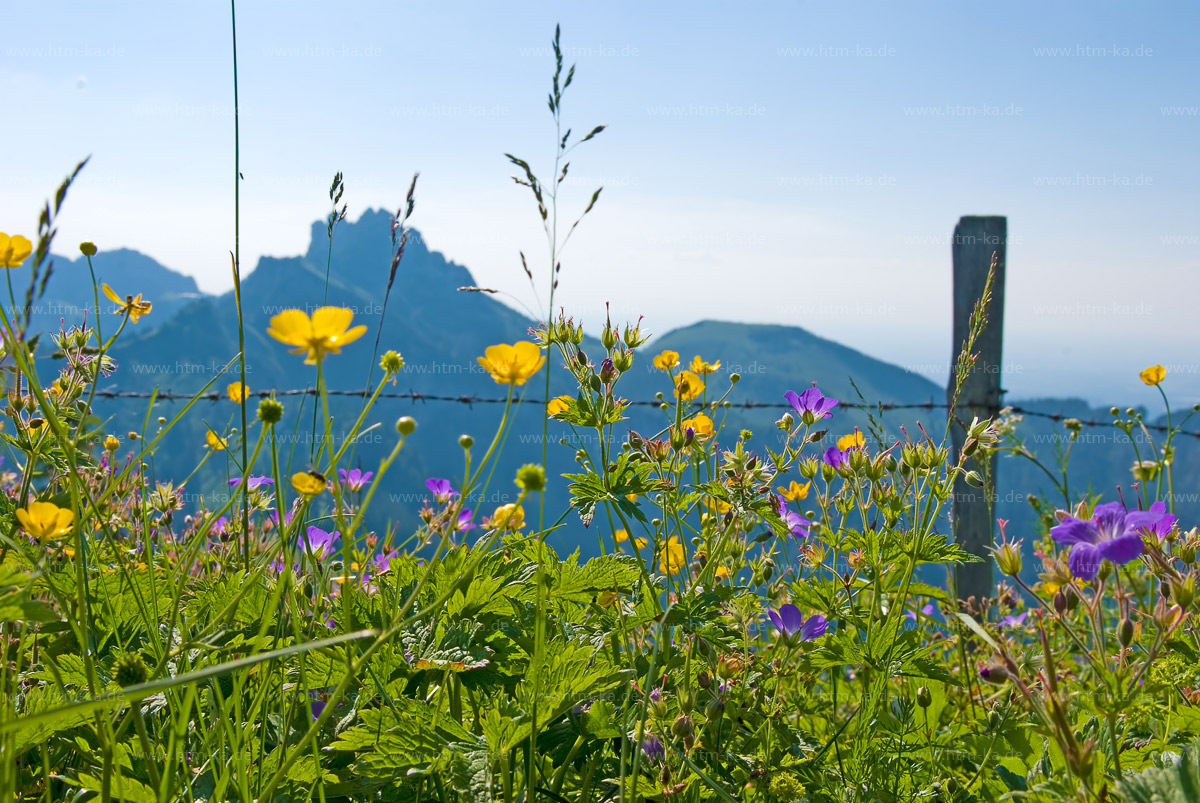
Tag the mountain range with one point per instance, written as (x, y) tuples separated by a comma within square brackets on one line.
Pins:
[(190, 337)]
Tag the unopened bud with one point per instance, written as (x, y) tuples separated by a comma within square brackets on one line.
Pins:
[(1125, 632), (1008, 558)]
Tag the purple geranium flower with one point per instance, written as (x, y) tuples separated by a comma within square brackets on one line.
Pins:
[(812, 405), (653, 748), (317, 541), (928, 611), (355, 479), (789, 621), (317, 706), (219, 526), (253, 483), (463, 522), (441, 490), (838, 458), (796, 524), (379, 563), (1014, 621), (1113, 533)]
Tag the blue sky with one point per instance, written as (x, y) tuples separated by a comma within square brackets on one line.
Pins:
[(791, 162)]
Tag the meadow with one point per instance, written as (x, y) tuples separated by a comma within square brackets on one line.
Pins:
[(760, 623)]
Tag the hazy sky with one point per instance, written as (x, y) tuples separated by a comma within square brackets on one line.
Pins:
[(792, 162)]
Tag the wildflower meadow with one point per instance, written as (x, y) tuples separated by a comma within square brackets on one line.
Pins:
[(765, 618)]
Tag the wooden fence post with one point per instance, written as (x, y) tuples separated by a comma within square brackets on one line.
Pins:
[(976, 240)]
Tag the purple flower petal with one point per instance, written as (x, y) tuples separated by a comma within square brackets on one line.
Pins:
[(1121, 549), (793, 620), (1074, 531), (813, 628), (1084, 561)]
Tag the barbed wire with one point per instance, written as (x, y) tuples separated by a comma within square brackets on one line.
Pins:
[(471, 399)]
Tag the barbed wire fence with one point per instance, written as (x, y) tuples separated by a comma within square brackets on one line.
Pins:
[(471, 399)]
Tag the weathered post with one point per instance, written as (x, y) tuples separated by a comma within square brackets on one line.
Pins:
[(976, 240)]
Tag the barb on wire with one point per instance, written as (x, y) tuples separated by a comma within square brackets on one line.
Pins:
[(471, 399)]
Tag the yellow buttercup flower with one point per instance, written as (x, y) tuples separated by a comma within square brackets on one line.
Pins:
[(237, 392), (701, 424), (45, 520), (795, 490), (605, 599), (558, 405), (217, 444), (722, 572), (666, 360), (325, 333), (851, 441), (111, 443), (688, 386), (508, 517), (1153, 375), (714, 506), (512, 365), (134, 305), (621, 536), (14, 250), (631, 497), (308, 483), (671, 559), (701, 367)]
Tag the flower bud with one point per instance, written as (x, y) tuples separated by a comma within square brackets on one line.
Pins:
[(678, 438), (608, 371), (633, 335), (405, 425), (466, 441), (808, 467), (623, 360), (87, 248), (391, 362), (683, 727), (924, 698), (531, 477), (130, 670), (608, 338), (994, 674), (270, 411), (1008, 558), (1183, 592), (734, 378), (785, 422), (703, 680), (1125, 632), (1060, 603)]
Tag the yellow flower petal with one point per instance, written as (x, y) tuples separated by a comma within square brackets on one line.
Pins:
[(512, 365), (14, 250), (308, 483), (795, 491), (851, 441), (45, 520), (688, 386), (237, 391), (666, 360), (1153, 375)]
